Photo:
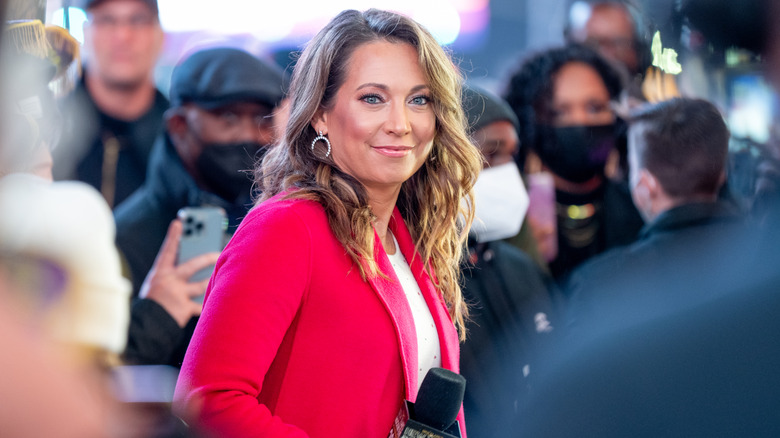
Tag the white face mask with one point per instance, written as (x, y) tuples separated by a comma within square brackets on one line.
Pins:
[(501, 203)]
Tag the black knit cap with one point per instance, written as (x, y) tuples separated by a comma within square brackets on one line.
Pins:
[(483, 108), (152, 4), (216, 77)]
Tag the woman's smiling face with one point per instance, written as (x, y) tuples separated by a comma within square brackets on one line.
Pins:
[(381, 123)]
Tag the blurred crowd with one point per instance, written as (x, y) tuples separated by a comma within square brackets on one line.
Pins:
[(620, 269)]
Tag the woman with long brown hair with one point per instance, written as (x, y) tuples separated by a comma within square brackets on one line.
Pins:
[(340, 289)]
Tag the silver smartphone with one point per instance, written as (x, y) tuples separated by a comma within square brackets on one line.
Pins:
[(203, 232)]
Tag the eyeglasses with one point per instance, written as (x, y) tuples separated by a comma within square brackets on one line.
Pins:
[(134, 22)]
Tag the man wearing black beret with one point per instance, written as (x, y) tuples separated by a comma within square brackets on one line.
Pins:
[(219, 124)]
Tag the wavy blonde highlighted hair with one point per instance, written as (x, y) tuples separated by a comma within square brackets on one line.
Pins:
[(430, 201)]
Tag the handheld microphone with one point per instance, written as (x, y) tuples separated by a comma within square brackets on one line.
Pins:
[(438, 403)]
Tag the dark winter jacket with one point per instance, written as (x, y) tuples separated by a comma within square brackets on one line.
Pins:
[(142, 222)]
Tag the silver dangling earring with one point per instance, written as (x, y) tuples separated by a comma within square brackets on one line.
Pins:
[(323, 138)]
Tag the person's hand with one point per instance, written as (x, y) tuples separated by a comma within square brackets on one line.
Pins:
[(168, 284)]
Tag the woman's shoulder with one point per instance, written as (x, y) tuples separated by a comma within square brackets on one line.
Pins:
[(277, 223), (281, 210)]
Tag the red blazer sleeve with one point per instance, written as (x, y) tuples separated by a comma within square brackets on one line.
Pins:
[(254, 294)]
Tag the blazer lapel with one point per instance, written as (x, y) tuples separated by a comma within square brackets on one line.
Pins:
[(394, 299), (448, 336)]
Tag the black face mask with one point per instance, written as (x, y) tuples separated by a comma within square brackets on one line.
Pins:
[(227, 168), (576, 153)]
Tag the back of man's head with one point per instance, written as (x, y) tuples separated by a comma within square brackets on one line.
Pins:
[(683, 142)]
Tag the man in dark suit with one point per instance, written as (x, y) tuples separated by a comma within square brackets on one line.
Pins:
[(692, 242), (674, 335)]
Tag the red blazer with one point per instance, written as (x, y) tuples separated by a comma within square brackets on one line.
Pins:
[(293, 342)]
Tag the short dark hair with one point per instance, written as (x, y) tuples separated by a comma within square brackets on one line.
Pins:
[(530, 92), (684, 144)]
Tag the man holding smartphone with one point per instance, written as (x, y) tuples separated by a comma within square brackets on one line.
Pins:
[(219, 124)]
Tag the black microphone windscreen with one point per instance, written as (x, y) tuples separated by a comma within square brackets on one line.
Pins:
[(439, 398)]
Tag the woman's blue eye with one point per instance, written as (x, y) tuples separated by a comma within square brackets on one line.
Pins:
[(371, 98), (420, 100)]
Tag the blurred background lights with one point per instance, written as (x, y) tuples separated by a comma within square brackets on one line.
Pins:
[(579, 13), (442, 20), (751, 109), (298, 20), (268, 21), (75, 21)]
